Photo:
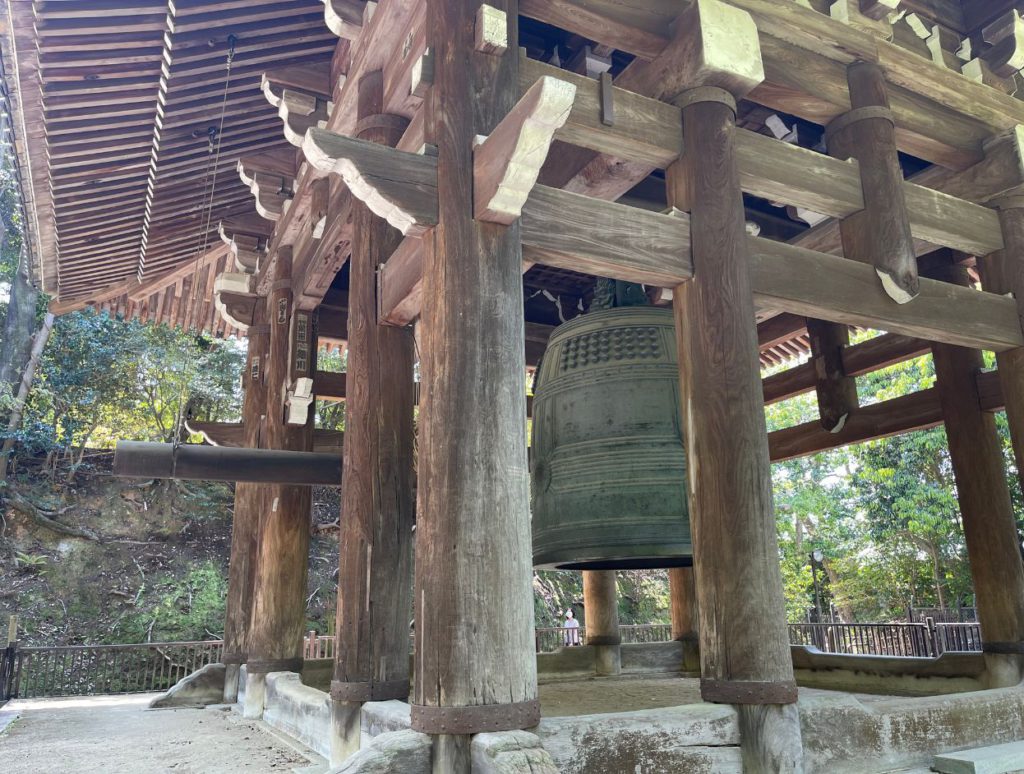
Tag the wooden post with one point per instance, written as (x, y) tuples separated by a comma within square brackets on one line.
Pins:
[(375, 543), (279, 595), (744, 643), (990, 528), (601, 608), (683, 608), (12, 630), (837, 392), (1003, 272), (475, 664), (880, 233), (249, 508)]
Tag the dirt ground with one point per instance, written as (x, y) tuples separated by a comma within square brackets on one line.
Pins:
[(117, 735)]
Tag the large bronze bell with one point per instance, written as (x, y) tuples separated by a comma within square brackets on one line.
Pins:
[(608, 466)]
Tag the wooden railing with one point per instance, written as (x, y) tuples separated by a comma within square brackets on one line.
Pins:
[(75, 670), (317, 646), (923, 640)]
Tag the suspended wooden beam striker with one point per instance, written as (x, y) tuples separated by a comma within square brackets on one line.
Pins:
[(249, 508), (375, 542), (744, 642), (197, 462), (474, 660), (880, 233), (278, 615), (990, 527)]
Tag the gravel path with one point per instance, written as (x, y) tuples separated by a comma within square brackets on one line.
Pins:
[(117, 734)]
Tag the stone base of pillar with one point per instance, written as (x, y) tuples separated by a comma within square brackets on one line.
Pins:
[(255, 698), (1003, 670), (231, 673), (770, 739), (608, 660), (345, 730)]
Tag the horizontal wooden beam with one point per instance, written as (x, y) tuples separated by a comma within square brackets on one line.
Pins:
[(917, 411), (827, 287), (232, 435), (858, 359)]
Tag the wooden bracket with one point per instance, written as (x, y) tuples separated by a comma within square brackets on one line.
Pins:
[(491, 30), (398, 186), (345, 17), (299, 106), (714, 44), (507, 163), (1006, 37), (234, 299), (271, 178), (878, 9)]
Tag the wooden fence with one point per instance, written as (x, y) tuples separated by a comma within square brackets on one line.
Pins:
[(75, 670)]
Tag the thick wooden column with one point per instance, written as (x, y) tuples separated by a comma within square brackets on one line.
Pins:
[(601, 608), (744, 642), (684, 612), (880, 233), (279, 596), (249, 509), (1003, 272), (475, 663), (375, 543), (990, 528), (836, 392)]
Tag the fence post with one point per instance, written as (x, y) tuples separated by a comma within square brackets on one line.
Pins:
[(8, 657), (936, 650)]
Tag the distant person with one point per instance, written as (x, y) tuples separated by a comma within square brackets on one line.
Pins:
[(572, 629)]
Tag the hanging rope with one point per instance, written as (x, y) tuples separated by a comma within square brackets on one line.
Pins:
[(214, 137)]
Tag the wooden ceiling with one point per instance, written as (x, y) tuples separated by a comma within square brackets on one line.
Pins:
[(119, 98)]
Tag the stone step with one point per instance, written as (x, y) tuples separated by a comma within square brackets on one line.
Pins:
[(997, 759)]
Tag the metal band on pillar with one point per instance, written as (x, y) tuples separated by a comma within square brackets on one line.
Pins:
[(1003, 648), (706, 94), (369, 691), (855, 116), (237, 657), (748, 691), (476, 719)]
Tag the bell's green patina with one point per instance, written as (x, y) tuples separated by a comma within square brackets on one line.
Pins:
[(608, 466)]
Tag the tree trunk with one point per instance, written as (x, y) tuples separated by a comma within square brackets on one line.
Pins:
[(23, 389), (18, 325)]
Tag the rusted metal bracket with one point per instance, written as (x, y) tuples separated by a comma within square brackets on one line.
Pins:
[(476, 719), (369, 691), (748, 691)]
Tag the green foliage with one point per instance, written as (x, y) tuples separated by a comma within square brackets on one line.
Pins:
[(189, 606), (103, 378), (884, 514)]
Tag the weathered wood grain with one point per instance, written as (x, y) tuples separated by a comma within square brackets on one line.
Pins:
[(742, 627), (831, 288), (473, 525), (375, 541), (398, 186), (836, 391), (506, 164), (990, 527)]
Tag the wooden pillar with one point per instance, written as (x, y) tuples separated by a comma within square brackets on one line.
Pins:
[(836, 392), (880, 233), (990, 528), (475, 662), (683, 608), (601, 608), (249, 509), (279, 596), (744, 642), (1003, 272), (375, 542)]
